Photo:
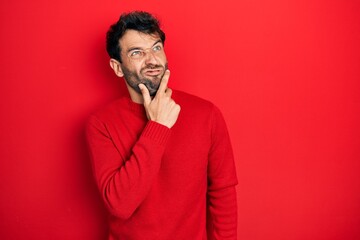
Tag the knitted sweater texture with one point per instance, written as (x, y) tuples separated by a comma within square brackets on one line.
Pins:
[(160, 183)]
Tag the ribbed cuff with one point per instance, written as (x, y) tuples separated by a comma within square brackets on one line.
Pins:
[(157, 132)]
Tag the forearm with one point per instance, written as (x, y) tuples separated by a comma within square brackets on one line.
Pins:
[(124, 183), (125, 188)]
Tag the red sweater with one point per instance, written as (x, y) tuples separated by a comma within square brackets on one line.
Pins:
[(160, 183)]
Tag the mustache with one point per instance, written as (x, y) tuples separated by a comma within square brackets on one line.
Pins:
[(152, 66)]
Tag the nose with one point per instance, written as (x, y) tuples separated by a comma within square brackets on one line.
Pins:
[(150, 58)]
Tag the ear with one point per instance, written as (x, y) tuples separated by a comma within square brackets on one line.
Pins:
[(116, 66)]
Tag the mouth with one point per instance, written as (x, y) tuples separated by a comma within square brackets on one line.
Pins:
[(153, 72)]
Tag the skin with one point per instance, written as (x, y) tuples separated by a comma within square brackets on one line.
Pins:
[(148, 70), (147, 78)]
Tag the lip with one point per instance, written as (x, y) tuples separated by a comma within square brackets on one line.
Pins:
[(153, 72)]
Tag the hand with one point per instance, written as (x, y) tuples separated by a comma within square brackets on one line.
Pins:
[(162, 109)]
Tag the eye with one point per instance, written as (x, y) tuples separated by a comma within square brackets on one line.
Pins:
[(157, 48), (136, 53)]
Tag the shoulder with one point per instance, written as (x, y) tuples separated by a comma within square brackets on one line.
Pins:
[(107, 109), (191, 101), (197, 108), (110, 111)]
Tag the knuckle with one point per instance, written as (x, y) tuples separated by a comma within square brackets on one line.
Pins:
[(177, 107)]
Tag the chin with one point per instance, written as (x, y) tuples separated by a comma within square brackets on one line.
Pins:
[(153, 92)]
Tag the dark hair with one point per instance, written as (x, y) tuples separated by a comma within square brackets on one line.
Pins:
[(138, 20)]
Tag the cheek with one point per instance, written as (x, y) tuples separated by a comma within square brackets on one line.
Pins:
[(137, 67), (163, 59)]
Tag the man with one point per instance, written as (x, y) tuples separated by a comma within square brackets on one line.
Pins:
[(163, 173)]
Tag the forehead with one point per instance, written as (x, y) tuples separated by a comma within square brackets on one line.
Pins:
[(133, 38)]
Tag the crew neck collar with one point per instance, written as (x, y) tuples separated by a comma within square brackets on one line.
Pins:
[(133, 106)]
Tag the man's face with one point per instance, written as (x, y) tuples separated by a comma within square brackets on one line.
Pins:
[(143, 60)]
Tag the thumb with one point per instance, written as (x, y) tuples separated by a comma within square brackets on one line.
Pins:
[(145, 94)]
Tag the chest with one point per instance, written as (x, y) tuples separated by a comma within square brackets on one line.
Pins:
[(186, 152)]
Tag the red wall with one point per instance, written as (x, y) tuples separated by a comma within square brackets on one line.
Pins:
[(285, 74)]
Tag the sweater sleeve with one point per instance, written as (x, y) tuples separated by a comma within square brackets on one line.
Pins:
[(221, 195), (124, 183)]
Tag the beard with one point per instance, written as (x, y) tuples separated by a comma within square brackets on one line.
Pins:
[(152, 83)]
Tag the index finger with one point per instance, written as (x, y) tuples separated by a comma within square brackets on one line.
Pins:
[(145, 94), (164, 82)]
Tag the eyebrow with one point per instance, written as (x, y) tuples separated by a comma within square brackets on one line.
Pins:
[(137, 48)]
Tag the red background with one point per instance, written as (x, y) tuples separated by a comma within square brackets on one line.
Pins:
[(284, 73)]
